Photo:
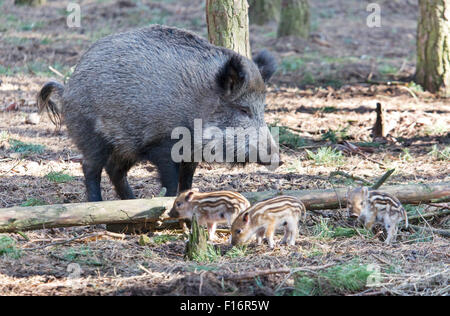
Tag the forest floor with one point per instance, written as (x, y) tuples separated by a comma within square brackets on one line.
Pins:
[(324, 93)]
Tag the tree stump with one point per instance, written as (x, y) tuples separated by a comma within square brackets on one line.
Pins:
[(197, 245), (379, 129)]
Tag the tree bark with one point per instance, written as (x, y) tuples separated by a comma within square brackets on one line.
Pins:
[(294, 19), (150, 211), (433, 46), (262, 11), (228, 25)]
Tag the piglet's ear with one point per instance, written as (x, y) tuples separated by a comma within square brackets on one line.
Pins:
[(233, 77), (246, 218), (189, 196), (266, 63), (365, 191)]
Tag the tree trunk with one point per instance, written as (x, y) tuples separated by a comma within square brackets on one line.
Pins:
[(29, 2), (262, 11), (294, 19), (150, 211), (228, 24), (433, 46)]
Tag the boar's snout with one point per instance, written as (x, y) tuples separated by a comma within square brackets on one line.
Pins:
[(174, 213), (268, 153)]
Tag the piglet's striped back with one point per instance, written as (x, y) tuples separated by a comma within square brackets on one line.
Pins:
[(385, 202), (211, 200), (277, 205)]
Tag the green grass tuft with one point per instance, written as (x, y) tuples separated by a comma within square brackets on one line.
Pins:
[(289, 139), (322, 230), (162, 239), (83, 255), (59, 177), (437, 154), (336, 135), (210, 255), (33, 202), (8, 247), (326, 156), (25, 148), (237, 252), (346, 277), (341, 279)]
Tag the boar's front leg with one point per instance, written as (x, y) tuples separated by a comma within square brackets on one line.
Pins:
[(160, 156), (186, 175), (117, 170)]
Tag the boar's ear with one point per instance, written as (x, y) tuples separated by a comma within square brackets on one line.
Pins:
[(266, 63), (233, 77)]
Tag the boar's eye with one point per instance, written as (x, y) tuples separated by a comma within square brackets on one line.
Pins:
[(245, 111)]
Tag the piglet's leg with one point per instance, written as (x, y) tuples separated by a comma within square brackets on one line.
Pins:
[(391, 229), (293, 233), (270, 231), (260, 235), (211, 230)]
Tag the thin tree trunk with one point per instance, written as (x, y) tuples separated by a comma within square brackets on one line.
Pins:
[(150, 211), (228, 25), (294, 19), (433, 46), (262, 11)]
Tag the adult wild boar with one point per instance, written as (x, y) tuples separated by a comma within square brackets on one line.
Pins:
[(130, 90)]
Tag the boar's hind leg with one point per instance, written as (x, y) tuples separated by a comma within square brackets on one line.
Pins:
[(92, 170), (117, 170)]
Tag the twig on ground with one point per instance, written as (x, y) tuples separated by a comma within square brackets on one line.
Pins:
[(442, 232), (56, 72), (383, 179), (431, 214), (349, 176), (66, 241)]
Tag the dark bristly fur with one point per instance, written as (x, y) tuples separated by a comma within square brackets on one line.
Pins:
[(130, 90)]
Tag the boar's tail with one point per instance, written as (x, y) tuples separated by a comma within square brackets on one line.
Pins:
[(44, 102)]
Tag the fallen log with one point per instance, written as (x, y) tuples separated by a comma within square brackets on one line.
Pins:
[(16, 219)]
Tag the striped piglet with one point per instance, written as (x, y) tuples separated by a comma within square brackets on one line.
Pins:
[(211, 208), (265, 217), (376, 206)]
